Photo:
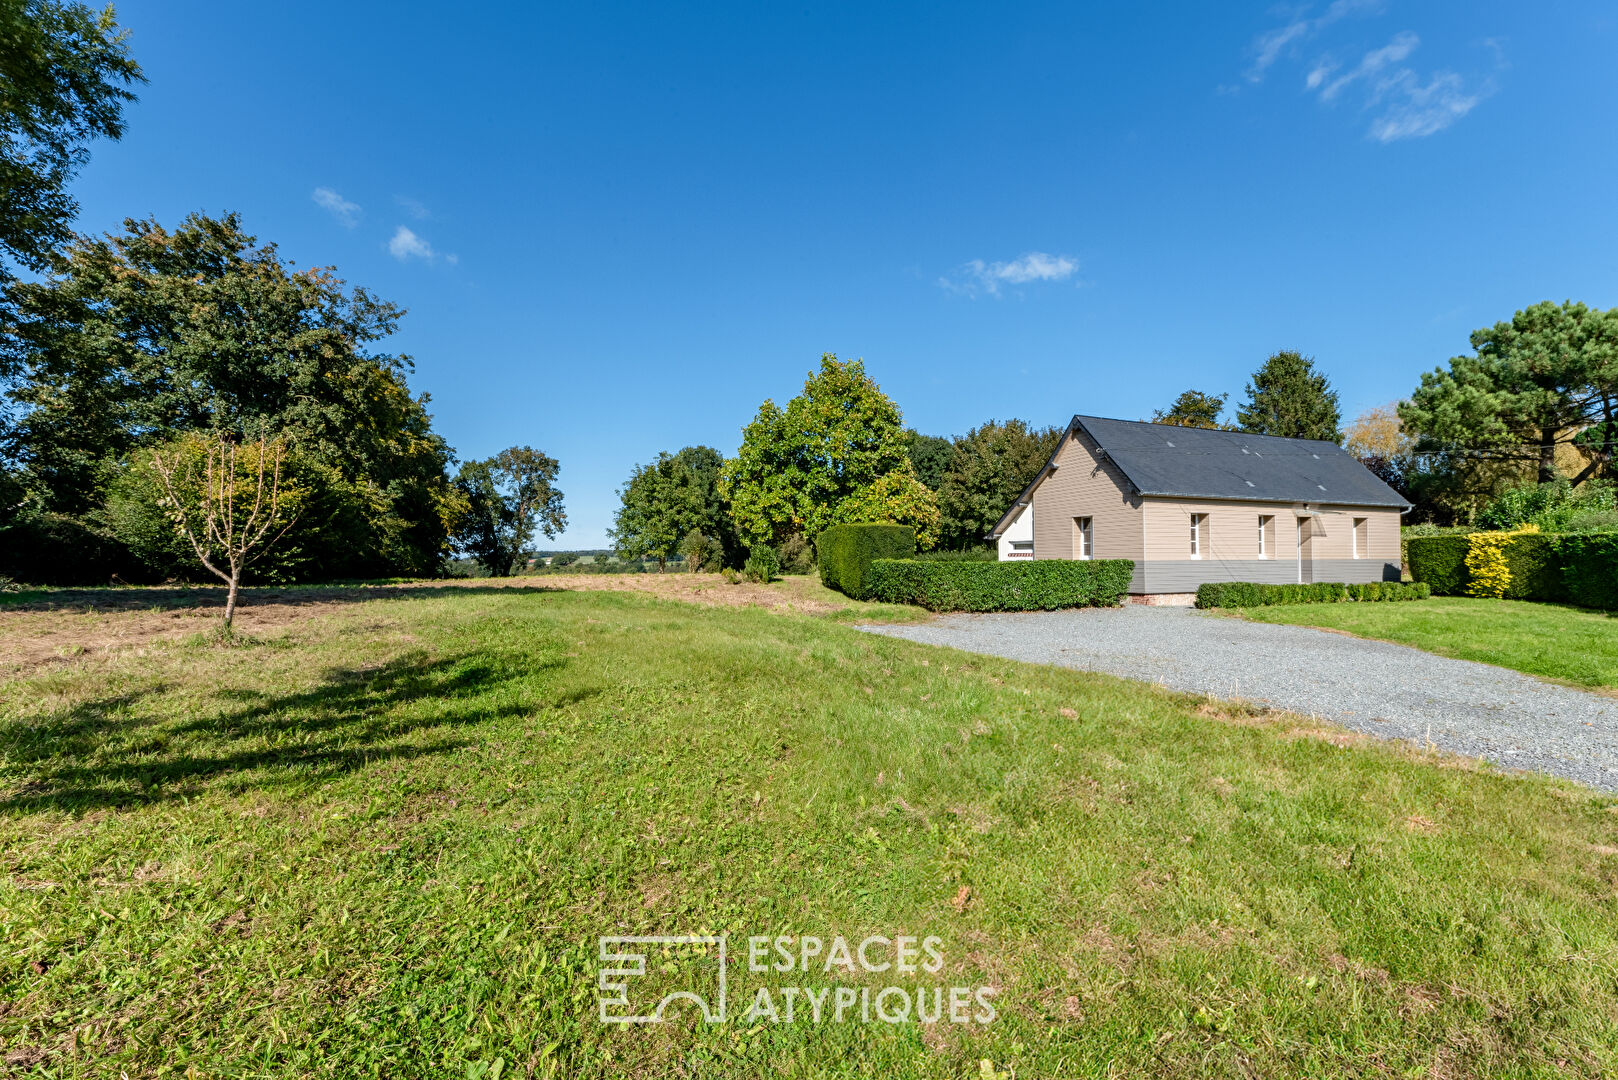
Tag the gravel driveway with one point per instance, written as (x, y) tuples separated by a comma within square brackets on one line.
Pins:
[(1392, 691)]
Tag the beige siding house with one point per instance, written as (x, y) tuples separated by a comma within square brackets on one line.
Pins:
[(1190, 505)]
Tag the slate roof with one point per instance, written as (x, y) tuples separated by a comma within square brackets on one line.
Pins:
[(1198, 463)]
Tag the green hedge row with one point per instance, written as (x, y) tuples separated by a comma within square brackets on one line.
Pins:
[(1579, 568), (1041, 585), (1228, 594), (845, 554)]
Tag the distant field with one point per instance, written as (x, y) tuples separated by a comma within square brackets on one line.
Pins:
[(384, 837), (1550, 640)]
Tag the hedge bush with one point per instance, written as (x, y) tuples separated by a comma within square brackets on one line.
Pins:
[(1040, 585), (1440, 562), (1579, 568), (1228, 594), (845, 553), (1589, 565)]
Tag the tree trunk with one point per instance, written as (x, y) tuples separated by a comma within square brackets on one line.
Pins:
[(230, 597), (1547, 456)]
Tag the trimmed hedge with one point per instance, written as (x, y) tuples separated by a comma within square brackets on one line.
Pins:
[(845, 553), (1576, 568), (1229, 594), (1440, 562), (1040, 585)]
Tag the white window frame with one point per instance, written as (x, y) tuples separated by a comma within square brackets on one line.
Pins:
[(1197, 523), (1084, 527), (1266, 522), (1356, 524)]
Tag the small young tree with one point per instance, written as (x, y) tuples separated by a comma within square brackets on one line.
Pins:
[(227, 499), (699, 551)]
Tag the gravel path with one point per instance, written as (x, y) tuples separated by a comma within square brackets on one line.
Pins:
[(1392, 691)]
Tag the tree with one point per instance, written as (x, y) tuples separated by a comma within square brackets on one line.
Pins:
[(226, 499), (929, 457), (65, 74), (1545, 379), (989, 467), (836, 454), (134, 338), (1287, 397), (665, 500), (507, 497), (1195, 409), (1378, 433)]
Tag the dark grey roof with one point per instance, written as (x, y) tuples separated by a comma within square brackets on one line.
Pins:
[(1160, 459)]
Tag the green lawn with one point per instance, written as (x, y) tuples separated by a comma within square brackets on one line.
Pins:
[(1564, 643), (386, 841)]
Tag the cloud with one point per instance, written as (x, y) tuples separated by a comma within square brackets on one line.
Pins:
[(340, 208), (1421, 110), (415, 209), (1268, 47), (990, 277), (1403, 44), (406, 245)]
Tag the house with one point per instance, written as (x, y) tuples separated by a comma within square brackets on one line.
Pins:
[(1191, 505)]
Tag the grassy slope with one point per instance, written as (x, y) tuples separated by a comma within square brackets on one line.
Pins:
[(388, 843), (1566, 643)]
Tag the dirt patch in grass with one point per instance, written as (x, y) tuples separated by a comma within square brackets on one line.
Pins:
[(710, 590)]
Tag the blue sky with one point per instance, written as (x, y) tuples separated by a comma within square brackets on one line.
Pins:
[(618, 228)]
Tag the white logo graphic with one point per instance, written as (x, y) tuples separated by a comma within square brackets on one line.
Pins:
[(625, 963)]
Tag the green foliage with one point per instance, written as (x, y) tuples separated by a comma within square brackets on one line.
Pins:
[(135, 339), (960, 585), (1288, 397), (991, 466), (837, 454), (1553, 506), (1440, 562), (43, 548), (507, 497), (929, 457), (701, 553), (797, 555), (1580, 568), (845, 553), (763, 565), (971, 554), (1534, 383), (666, 500), (1235, 594), (65, 73), (1195, 409), (1589, 565)]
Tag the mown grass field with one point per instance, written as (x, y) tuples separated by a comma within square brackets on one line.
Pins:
[(385, 840), (1554, 641)]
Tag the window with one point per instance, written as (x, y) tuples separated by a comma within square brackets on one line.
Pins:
[(1083, 540), (1266, 536), (1022, 549), (1196, 535), (1360, 538)]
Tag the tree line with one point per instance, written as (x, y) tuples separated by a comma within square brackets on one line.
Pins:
[(149, 379)]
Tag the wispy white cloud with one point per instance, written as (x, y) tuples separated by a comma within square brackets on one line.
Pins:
[(340, 208), (406, 245), (1271, 45), (1402, 103), (978, 276), (413, 207)]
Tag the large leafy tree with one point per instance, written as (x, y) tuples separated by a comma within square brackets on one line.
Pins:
[(137, 337), (1288, 397), (664, 500), (836, 454), (65, 77), (930, 457), (989, 468), (507, 497), (1193, 408), (1545, 379)]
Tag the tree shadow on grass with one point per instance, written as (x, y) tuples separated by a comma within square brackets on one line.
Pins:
[(206, 597), (97, 754)]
